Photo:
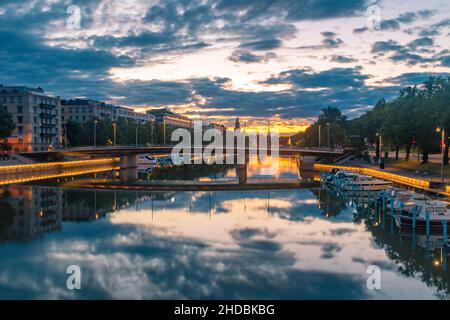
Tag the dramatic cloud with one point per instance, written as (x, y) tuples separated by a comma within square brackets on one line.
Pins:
[(219, 57), (342, 59), (404, 18)]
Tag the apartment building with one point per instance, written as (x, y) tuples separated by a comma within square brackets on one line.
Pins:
[(35, 211), (37, 117), (83, 110), (171, 119)]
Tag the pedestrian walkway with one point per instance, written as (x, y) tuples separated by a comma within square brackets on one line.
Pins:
[(396, 175)]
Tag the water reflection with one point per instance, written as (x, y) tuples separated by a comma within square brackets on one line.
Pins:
[(296, 244), (279, 244)]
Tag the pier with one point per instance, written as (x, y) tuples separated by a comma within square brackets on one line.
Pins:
[(396, 178)]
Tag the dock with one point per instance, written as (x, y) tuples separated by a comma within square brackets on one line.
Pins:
[(415, 183)]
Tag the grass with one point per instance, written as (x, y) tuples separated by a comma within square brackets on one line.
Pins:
[(431, 168)]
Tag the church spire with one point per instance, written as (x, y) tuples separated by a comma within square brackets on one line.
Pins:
[(237, 124)]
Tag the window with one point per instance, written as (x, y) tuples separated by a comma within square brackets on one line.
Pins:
[(35, 129), (19, 109), (440, 210), (4, 99), (19, 119), (19, 99), (34, 120), (11, 99), (20, 130)]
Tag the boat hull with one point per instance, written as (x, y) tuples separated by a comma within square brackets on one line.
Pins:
[(406, 223)]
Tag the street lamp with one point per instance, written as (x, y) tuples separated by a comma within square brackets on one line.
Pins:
[(379, 143), (95, 132), (319, 136), (442, 131), (328, 135), (164, 129), (153, 131), (137, 134), (114, 133)]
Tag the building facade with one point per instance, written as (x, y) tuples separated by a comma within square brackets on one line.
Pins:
[(171, 119), (37, 117), (83, 110)]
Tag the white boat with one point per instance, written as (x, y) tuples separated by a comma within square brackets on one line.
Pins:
[(438, 212), (359, 182), (147, 160)]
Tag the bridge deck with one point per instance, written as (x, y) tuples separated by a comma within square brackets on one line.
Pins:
[(177, 185), (128, 150)]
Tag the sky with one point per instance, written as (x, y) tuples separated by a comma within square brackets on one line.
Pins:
[(277, 60)]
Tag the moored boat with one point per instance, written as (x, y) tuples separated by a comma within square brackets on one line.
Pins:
[(436, 213)]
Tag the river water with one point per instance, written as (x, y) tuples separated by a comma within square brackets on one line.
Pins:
[(264, 244)]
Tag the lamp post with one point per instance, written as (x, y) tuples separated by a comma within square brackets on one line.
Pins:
[(442, 131), (164, 129), (136, 134), (328, 135), (95, 133), (379, 144), (114, 133), (380, 151), (153, 130), (319, 136)]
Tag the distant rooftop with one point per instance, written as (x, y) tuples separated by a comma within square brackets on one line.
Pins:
[(20, 89), (165, 112), (81, 102)]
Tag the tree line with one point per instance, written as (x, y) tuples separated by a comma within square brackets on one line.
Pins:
[(82, 134), (410, 120)]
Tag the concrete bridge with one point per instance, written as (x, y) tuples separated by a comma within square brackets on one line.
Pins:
[(129, 163), (167, 149)]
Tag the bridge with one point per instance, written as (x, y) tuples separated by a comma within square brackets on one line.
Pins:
[(129, 163), (167, 149)]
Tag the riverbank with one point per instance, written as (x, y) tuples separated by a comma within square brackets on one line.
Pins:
[(432, 170), (397, 175)]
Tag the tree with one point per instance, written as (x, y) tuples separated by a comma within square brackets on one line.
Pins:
[(6, 123), (330, 119), (409, 119), (331, 115)]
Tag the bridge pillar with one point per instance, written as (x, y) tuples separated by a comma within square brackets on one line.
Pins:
[(306, 167), (128, 161), (241, 171), (128, 175), (128, 168)]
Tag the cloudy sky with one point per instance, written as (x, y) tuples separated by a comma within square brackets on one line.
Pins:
[(218, 59)]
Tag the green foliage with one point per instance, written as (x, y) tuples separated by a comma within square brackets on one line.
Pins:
[(409, 119), (332, 125), (6, 123), (83, 134)]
